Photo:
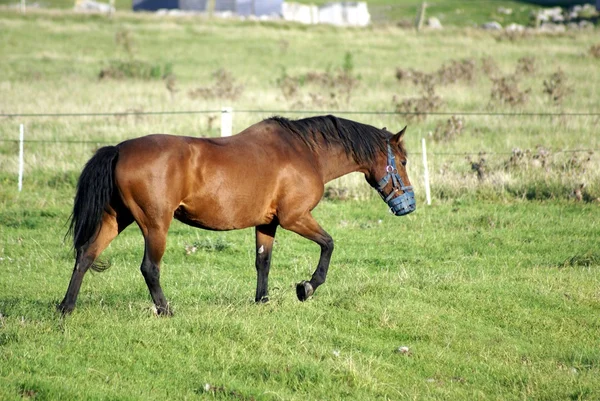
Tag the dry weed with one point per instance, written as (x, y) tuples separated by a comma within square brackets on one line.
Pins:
[(456, 70), (512, 35), (124, 39), (453, 71), (335, 193), (505, 90), (480, 167), (524, 159), (448, 131), (417, 108), (525, 66), (556, 86), (490, 67), (595, 50), (224, 87)]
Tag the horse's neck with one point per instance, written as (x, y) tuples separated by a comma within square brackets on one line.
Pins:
[(336, 163)]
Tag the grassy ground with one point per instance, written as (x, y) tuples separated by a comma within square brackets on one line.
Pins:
[(52, 63), (493, 301), (495, 296)]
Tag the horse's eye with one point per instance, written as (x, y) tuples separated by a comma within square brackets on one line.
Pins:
[(404, 163)]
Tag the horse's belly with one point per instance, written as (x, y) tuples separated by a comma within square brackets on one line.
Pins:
[(223, 216)]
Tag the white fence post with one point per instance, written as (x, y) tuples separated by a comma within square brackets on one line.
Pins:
[(21, 161), (426, 173), (226, 121)]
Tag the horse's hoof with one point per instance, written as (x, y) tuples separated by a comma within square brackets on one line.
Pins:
[(262, 300), (304, 290), (163, 311), (65, 309)]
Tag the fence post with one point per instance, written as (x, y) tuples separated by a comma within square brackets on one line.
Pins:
[(21, 162), (426, 173), (421, 17), (226, 121)]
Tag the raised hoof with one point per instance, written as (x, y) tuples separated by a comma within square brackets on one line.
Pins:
[(304, 290), (65, 309)]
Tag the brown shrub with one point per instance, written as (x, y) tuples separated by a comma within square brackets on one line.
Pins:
[(506, 90), (480, 167), (456, 70), (556, 86), (490, 67), (453, 71), (445, 132), (526, 158), (525, 66), (224, 87), (417, 108)]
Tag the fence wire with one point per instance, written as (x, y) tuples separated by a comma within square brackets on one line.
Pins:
[(312, 112), (306, 112)]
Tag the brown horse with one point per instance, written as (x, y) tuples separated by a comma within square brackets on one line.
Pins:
[(271, 174)]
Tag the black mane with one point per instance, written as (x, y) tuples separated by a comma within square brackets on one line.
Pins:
[(363, 142)]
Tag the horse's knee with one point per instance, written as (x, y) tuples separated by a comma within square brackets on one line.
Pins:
[(328, 244), (262, 260), (150, 271)]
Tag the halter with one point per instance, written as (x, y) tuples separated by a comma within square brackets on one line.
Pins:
[(401, 204)]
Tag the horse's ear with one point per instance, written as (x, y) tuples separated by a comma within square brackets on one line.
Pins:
[(396, 139)]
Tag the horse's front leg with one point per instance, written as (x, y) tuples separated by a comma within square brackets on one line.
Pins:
[(308, 227), (265, 236)]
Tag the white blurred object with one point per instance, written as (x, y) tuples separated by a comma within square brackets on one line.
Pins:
[(93, 6), (348, 13)]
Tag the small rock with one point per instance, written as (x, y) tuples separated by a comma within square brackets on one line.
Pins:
[(492, 26), (505, 11), (403, 350), (434, 23), (514, 28)]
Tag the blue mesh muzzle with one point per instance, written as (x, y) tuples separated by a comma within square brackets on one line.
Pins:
[(399, 204)]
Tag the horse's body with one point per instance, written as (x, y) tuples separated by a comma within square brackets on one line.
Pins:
[(271, 174)]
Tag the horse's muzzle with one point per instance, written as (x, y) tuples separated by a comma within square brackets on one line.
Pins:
[(403, 204)]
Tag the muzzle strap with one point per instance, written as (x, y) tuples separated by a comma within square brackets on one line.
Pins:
[(401, 204)]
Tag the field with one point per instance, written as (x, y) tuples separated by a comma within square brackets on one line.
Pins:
[(493, 290)]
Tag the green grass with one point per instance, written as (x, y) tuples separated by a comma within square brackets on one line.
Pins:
[(494, 289), (49, 66), (494, 301)]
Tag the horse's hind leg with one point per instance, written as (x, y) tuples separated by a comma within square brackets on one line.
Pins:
[(264, 247), (111, 227), (156, 242)]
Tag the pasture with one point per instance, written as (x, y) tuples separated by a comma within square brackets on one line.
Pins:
[(493, 290)]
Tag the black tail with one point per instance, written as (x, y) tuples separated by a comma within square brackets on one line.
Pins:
[(94, 191)]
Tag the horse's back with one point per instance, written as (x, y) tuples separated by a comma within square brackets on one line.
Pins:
[(217, 183)]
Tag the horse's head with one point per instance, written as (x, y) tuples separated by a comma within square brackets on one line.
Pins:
[(388, 175)]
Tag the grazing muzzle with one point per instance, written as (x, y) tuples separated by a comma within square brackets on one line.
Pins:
[(401, 204)]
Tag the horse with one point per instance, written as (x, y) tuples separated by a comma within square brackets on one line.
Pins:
[(271, 174)]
